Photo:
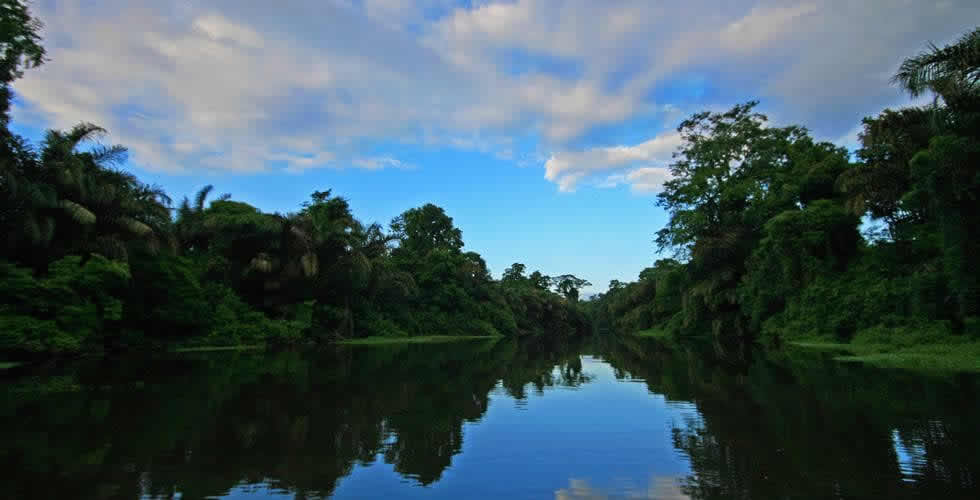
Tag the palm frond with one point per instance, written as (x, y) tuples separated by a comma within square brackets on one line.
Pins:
[(134, 226), (261, 263), (81, 214), (157, 192), (201, 196), (944, 69), (82, 132), (184, 210), (310, 264), (109, 155)]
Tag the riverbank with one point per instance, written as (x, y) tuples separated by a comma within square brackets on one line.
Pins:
[(945, 357), (426, 339), (942, 357), (205, 348)]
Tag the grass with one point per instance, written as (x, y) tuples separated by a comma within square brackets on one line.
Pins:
[(4, 365), (214, 348), (944, 357), (652, 333), (426, 339)]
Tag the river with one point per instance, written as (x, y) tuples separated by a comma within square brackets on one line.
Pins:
[(608, 418)]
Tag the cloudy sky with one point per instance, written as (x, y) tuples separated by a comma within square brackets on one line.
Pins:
[(542, 126)]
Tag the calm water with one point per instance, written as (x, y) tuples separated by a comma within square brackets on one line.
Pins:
[(608, 419)]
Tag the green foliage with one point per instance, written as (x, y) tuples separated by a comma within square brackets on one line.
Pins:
[(20, 48), (951, 72), (167, 301), (66, 310), (421, 230), (766, 221), (763, 222), (568, 285), (797, 247)]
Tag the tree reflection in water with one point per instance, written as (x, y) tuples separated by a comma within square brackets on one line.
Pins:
[(749, 426)]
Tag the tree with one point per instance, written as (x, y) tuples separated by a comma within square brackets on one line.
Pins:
[(191, 231), (22, 197), (89, 236), (342, 268), (568, 285), (539, 281), (421, 230), (724, 187), (514, 273), (799, 247), (944, 175), (20, 48), (878, 184), (952, 72), (97, 208)]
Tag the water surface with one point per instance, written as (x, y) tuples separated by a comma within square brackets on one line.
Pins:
[(500, 419)]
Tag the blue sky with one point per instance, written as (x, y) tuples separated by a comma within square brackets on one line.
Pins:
[(542, 126)]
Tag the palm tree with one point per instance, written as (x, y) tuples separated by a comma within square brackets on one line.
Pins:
[(25, 201), (79, 203), (346, 261), (190, 229), (946, 171), (952, 72)]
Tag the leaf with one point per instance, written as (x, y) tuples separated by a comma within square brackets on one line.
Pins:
[(81, 214), (134, 226)]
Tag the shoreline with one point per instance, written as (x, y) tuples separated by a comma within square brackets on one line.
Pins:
[(944, 358), (424, 339)]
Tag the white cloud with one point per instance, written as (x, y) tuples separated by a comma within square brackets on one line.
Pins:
[(379, 162), (762, 25), (297, 164), (231, 85), (648, 179), (220, 29), (643, 180), (568, 168), (204, 90)]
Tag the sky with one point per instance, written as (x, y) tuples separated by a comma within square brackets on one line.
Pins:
[(543, 127)]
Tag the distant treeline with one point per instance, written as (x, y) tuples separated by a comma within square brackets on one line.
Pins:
[(95, 260), (778, 236)]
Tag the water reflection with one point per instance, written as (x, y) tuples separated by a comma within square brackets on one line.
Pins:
[(623, 418), (204, 424), (800, 426), (660, 488)]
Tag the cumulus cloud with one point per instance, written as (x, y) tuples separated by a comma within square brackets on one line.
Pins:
[(568, 168), (196, 88), (300, 84)]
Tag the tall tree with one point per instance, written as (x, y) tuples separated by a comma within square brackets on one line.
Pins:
[(21, 195), (94, 206), (421, 230), (569, 285), (20, 48), (945, 174), (514, 273)]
